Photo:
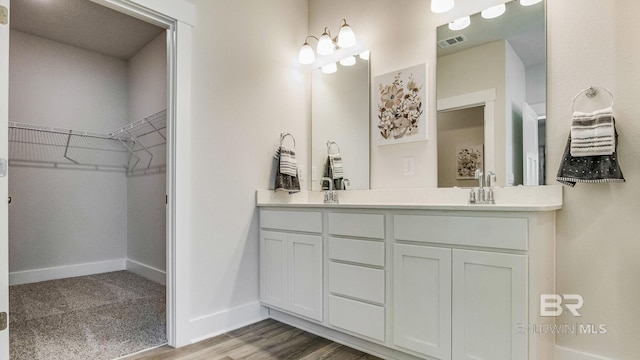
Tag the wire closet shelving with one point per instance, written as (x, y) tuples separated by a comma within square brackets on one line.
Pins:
[(135, 149)]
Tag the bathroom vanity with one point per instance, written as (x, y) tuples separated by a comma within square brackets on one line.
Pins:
[(415, 273)]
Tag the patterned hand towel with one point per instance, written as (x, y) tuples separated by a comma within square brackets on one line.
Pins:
[(335, 162), (285, 181), (288, 163), (589, 169), (593, 133)]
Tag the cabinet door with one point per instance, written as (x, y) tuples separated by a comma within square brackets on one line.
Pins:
[(422, 299), (489, 301), (305, 275), (273, 268)]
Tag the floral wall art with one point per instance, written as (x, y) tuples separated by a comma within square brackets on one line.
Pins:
[(468, 160), (401, 102)]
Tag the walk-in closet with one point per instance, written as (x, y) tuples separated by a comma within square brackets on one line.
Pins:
[(87, 182)]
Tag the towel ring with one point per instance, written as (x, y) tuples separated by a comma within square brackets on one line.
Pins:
[(590, 92), (329, 143), (283, 135)]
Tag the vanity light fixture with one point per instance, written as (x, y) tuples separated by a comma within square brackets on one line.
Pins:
[(329, 68), (306, 55), (441, 6), (529, 2), (461, 23), (327, 44), (494, 11), (364, 55)]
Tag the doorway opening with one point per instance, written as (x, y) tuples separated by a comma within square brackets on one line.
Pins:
[(89, 127)]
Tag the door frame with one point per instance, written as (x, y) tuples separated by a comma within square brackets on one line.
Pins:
[(178, 17)]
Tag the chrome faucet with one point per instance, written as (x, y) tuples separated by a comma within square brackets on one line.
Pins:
[(483, 197), (330, 196)]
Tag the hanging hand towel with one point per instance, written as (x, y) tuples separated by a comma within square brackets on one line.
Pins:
[(590, 169), (593, 133), (284, 181), (288, 163), (335, 163)]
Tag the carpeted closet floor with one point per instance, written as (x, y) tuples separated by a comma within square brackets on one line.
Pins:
[(96, 317)]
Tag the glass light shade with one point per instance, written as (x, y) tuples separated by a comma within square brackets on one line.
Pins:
[(348, 61), (441, 6), (529, 2), (459, 24), (325, 45), (494, 11), (306, 55), (346, 37), (364, 55), (329, 68)]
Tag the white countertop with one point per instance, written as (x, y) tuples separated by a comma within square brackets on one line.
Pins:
[(517, 198)]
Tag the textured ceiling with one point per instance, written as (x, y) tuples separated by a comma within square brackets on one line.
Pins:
[(83, 24)]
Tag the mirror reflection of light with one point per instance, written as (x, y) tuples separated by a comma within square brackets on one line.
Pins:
[(364, 55), (348, 61), (529, 2), (494, 11), (330, 68), (441, 6), (461, 23)]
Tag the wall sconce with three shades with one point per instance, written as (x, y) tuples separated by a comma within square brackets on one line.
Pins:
[(328, 45)]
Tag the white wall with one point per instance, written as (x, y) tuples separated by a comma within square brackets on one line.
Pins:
[(65, 217), (247, 88), (597, 236), (146, 209)]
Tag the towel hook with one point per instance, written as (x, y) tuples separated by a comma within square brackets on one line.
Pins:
[(283, 135), (590, 92), (329, 143)]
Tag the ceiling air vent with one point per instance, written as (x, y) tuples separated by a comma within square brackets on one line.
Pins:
[(452, 41)]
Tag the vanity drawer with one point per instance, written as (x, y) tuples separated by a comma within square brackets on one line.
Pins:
[(357, 281), (360, 225), (309, 221), (495, 232), (357, 251), (358, 317)]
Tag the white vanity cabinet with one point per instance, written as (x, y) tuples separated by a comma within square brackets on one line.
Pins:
[(463, 284), (412, 282), (291, 259)]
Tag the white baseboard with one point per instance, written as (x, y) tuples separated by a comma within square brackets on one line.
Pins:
[(61, 272), (562, 353), (146, 271), (215, 324)]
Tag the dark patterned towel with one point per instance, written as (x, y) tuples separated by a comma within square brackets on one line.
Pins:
[(589, 169)]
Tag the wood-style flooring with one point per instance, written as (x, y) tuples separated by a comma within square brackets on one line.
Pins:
[(268, 339)]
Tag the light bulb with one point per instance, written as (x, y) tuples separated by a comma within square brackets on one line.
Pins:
[(325, 44), (346, 37), (330, 68), (441, 6), (364, 55), (494, 11), (306, 55), (529, 2), (459, 24), (348, 61)]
